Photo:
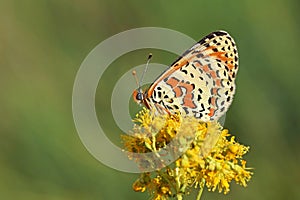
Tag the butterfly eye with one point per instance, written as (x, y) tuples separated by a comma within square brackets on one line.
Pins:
[(139, 96)]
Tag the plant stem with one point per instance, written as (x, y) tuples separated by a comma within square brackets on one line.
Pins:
[(201, 185), (199, 193)]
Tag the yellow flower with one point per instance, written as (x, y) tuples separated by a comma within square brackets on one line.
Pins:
[(205, 155)]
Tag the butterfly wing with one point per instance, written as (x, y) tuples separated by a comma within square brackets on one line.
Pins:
[(201, 82)]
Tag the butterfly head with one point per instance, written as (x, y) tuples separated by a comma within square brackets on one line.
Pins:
[(138, 96)]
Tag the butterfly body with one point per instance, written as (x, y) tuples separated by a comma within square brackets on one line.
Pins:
[(200, 83)]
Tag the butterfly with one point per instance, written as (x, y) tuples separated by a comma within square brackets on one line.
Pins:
[(200, 83)]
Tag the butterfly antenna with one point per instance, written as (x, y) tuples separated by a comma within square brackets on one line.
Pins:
[(136, 78), (145, 70)]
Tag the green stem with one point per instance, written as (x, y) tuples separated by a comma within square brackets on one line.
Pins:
[(199, 193), (202, 184)]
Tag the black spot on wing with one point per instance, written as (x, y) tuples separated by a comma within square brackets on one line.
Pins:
[(199, 55), (220, 33), (186, 110), (222, 103), (171, 101), (184, 71), (209, 100), (202, 106), (159, 94), (228, 99), (176, 107), (198, 61), (211, 36), (209, 66), (199, 97), (154, 94), (168, 107)]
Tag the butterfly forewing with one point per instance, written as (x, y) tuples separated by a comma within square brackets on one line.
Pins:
[(201, 82)]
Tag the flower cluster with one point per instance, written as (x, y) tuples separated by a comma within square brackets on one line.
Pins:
[(205, 155)]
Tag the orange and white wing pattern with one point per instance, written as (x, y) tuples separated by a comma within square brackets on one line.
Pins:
[(201, 82)]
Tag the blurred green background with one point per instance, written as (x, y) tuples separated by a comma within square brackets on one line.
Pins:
[(43, 43)]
